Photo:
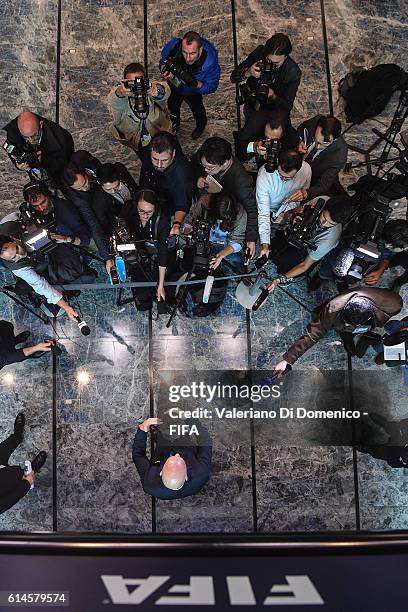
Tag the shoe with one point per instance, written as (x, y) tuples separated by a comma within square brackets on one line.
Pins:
[(22, 337), (39, 461), (196, 133), (379, 360), (362, 345), (19, 424)]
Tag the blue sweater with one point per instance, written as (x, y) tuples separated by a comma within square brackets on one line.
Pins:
[(208, 74)]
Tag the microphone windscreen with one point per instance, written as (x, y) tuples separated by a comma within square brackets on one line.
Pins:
[(83, 327), (344, 260)]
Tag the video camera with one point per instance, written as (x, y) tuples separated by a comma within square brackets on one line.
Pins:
[(362, 235), (299, 233), (27, 155), (34, 230), (129, 252), (197, 251), (255, 91), (180, 73), (139, 88)]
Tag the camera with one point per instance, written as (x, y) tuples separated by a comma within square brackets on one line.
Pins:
[(197, 251), (139, 88), (300, 232), (171, 65), (26, 155), (34, 230), (128, 252), (273, 148), (362, 235), (255, 91), (396, 348)]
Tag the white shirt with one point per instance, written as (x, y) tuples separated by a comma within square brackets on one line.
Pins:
[(39, 284), (271, 191)]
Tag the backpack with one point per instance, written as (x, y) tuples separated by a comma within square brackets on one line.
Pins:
[(367, 92)]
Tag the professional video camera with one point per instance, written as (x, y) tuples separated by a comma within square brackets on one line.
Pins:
[(273, 147), (129, 252), (362, 234), (139, 101), (255, 91), (34, 227), (181, 74), (299, 232), (196, 254), (28, 155)]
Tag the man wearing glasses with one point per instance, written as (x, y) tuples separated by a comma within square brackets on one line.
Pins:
[(274, 191), (42, 140), (292, 261)]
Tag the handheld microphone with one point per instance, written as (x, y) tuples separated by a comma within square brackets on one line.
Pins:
[(207, 289), (83, 327), (264, 295)]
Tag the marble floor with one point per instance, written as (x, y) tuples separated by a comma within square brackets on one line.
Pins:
[(83, 407)]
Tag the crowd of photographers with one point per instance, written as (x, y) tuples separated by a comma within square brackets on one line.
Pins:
[(225, 212)]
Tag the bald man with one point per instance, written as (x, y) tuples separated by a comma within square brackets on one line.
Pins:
[(41, 139), (175, 470)]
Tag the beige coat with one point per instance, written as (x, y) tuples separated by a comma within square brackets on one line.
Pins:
[(126, 127)]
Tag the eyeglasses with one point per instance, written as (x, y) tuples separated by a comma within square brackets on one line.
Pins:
[(147, 213)]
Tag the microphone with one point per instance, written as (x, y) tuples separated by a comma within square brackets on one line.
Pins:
[(207, 289), (263, 296), (343, 262), (83, 327)]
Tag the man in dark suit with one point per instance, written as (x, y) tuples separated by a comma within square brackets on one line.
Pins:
[(265, 125), (174, 470), (115, 188), (325, 151), (14, 483), (79, 178), (358, 311), (286, 78), (45, 140)]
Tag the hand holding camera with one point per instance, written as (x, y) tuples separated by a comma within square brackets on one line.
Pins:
[(255, 70), (260, 148)]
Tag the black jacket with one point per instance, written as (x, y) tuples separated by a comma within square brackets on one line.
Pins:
[(254, 129), (106, 207), (83, 200), (156, 229), (8, 353), (175, 185), (197, 458), (287, 82), (327, 165), (56, 145), (237, 183)]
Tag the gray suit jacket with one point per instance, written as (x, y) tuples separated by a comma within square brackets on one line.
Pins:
[(327, 165)]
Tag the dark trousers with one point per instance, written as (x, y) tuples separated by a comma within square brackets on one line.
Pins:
[(194, 102), (401, 259), (284, 255), (7, 337), (7, 447)]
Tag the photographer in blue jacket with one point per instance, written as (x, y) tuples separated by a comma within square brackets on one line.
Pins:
[(190, 65)]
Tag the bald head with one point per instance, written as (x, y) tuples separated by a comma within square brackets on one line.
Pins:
[(28, 124), (174, 472)]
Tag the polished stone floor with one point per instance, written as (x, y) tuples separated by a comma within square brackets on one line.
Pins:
[(84, 406)]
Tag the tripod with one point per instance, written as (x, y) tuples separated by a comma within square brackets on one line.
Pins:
[(400, 114)]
